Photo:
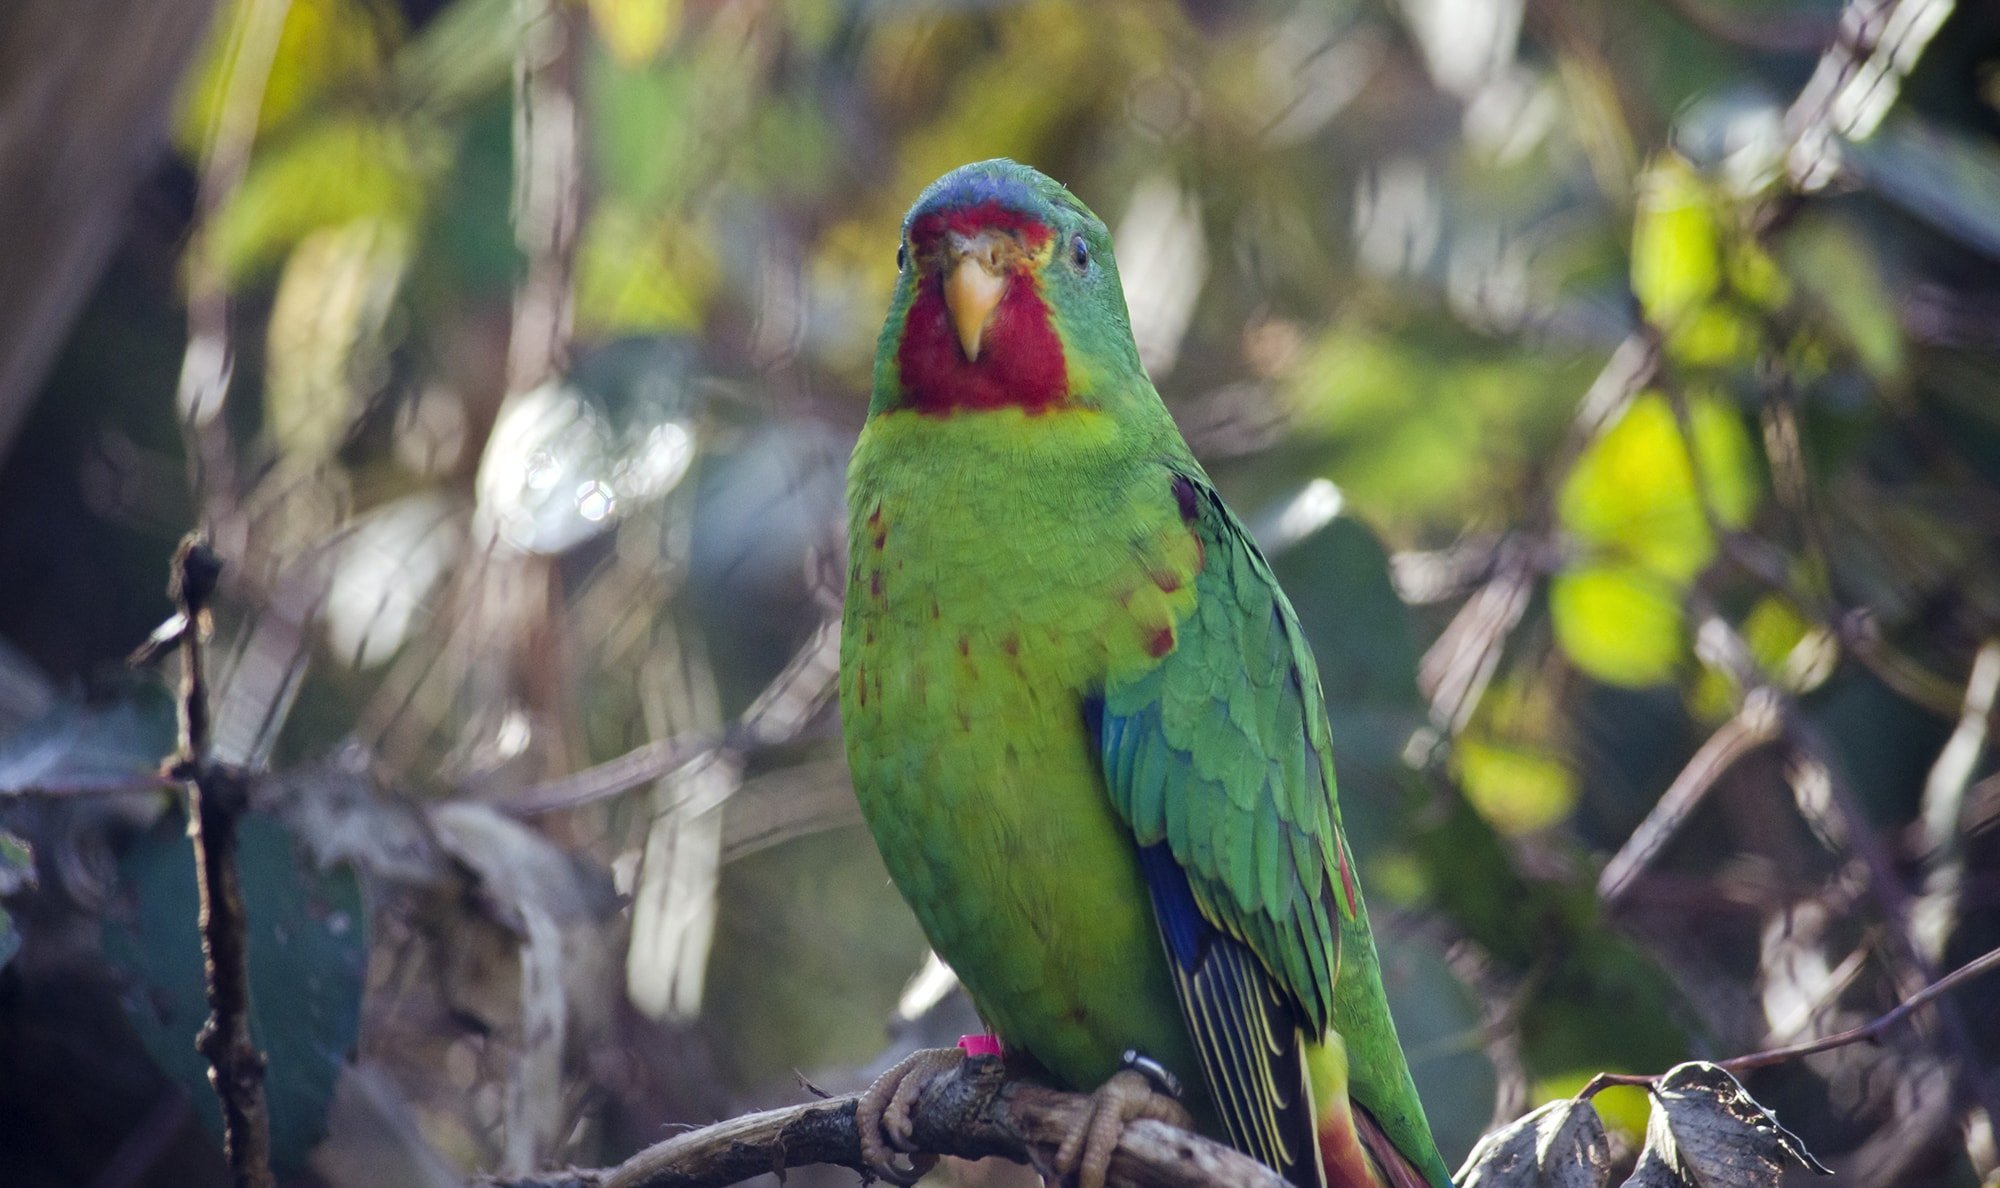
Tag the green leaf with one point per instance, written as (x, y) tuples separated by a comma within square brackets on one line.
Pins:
[(463, 54), (1560, 1145), (1434, 1012), (1836, 266), (308, 952), (1708, 1132), (1404, 461), (1619, 623), (17, 871), (335, 172)]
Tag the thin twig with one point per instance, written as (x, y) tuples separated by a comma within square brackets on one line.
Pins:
[(779, 713), (1868, 1031), (973, 1113), (1978, 966), (1754, 725), (217, 797), (1830, 807)]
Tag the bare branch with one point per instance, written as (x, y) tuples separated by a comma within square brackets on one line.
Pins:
[(1831, 808), (778, 714), (1756, 724), (972, 1114), (1977, 967), (217, 797), (1984, 964)]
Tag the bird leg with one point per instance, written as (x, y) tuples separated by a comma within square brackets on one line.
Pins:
[(883, 1113), (1142, 1088)]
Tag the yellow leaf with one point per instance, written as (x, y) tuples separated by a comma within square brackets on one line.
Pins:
[(1676, 244), (1618, 624), (1518, 788), (1632, 494), (637, 275), (1794, 651), (327, 336), (635, 31), (325, 45)]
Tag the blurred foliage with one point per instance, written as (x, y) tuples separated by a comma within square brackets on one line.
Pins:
[(17, 873), (307, 942), (1595, 372)]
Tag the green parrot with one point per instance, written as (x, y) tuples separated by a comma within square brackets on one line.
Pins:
[(1085, 727)]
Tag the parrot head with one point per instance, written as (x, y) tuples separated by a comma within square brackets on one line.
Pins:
[(1007, 296)]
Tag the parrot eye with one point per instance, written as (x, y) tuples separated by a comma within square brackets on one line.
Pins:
[(902, 257), (1079, 253)]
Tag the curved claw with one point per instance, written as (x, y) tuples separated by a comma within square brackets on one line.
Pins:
[(1131, 1094), (882, 1116)]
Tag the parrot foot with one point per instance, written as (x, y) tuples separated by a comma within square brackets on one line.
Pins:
[(1141, 1089), (883, 1113)]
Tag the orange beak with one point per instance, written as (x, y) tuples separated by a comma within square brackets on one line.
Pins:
[(973, 285)]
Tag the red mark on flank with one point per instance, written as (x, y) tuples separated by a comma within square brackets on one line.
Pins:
[(1167, 582), (1160, 642)]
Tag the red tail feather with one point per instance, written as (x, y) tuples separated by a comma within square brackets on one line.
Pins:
[(1360, 1155), (1395, 1169)]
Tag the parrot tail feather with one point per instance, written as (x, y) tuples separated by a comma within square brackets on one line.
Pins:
[(1355, 1153)]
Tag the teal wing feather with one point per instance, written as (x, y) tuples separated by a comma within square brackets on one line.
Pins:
[(1219, 759)]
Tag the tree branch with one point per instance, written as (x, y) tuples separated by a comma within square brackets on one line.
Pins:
[(1977, 967), (1983, 964), (217, 797), (974, 1113)]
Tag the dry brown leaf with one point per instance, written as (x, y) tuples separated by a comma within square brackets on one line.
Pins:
[(1708, 1132), (1560, 1145)]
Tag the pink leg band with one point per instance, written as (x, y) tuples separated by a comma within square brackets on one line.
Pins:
[(980, 1045)]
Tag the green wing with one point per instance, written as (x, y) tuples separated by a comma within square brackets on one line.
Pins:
[(1219, 758)]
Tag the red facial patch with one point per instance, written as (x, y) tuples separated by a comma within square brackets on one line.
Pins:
[(971, 220), (1020, 361)]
